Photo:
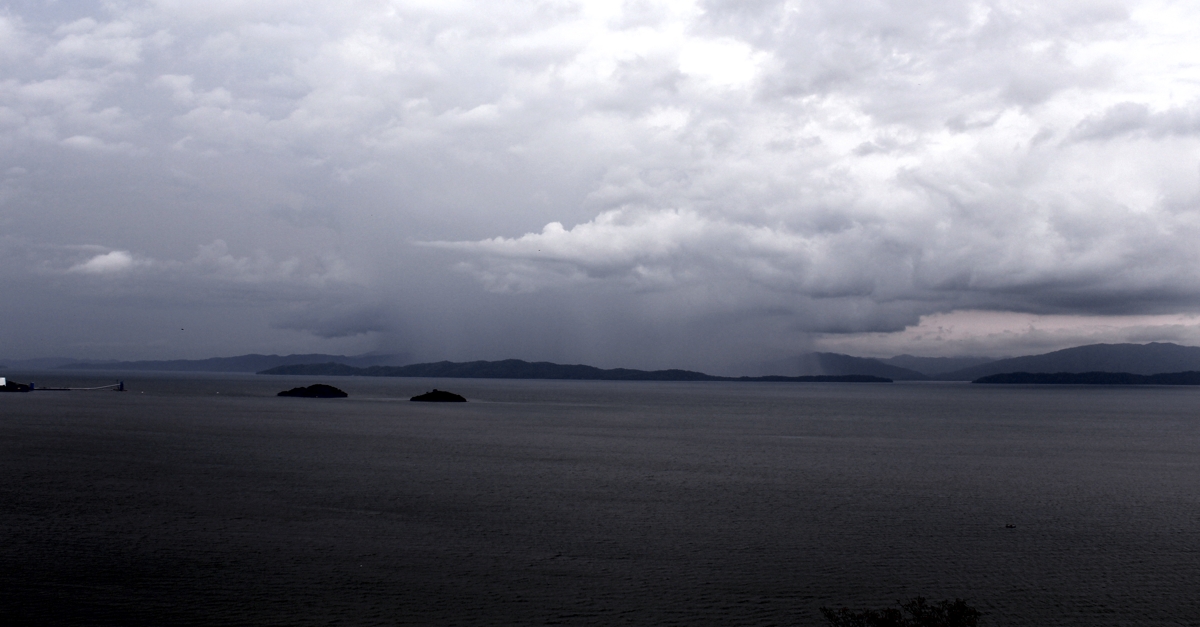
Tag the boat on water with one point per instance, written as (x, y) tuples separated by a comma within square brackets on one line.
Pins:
[(13, 386)]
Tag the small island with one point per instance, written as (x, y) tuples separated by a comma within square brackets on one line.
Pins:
[(439, 396), (316, 390)]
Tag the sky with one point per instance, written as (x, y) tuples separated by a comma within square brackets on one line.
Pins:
[(642, 184)]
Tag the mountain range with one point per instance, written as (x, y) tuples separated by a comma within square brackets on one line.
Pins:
[(934, 366), (1093, 378), (518, 369), (838, 364), (1141, 359)]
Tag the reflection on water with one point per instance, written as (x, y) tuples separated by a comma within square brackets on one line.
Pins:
[(205, 499)]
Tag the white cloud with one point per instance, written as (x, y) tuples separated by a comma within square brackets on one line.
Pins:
[(723, 62), (95, 144), (115, 262), (13, 39), (671, 249), (86, 40), (849, 166), (212, 265), (1009, 334)]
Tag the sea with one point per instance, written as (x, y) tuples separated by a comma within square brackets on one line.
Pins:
[(208, 500)]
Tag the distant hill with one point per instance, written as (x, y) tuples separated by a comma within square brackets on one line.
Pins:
[(1094, 378), (836, 364), (1143, 359), (241, 363), (1140, 359), (934, 366), (518, 369), (44, 363), (828, 364)]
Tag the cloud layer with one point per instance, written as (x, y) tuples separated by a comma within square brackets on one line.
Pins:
[(596, 181)]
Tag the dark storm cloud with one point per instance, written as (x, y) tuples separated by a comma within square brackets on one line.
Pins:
[(339, 319), (1135, 118), (587, 180)]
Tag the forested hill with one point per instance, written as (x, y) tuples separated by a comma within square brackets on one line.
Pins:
[(1143, 359), (518, 369)]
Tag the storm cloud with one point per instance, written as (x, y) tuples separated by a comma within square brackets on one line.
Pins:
[(683, 184)]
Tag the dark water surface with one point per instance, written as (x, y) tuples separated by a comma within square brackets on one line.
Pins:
[(208, 501)]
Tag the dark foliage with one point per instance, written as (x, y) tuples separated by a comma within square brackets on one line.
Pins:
[(914, 613)]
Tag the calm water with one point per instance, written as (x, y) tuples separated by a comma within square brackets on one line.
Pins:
[(207, 500)]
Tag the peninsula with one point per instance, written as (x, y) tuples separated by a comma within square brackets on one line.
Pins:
[(1094, 378)]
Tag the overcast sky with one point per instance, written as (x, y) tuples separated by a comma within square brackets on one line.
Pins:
[(647, 184)]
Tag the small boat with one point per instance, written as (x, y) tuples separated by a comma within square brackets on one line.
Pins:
[(13, 386)]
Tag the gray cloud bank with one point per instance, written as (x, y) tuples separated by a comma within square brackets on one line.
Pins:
[(648, 184)]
